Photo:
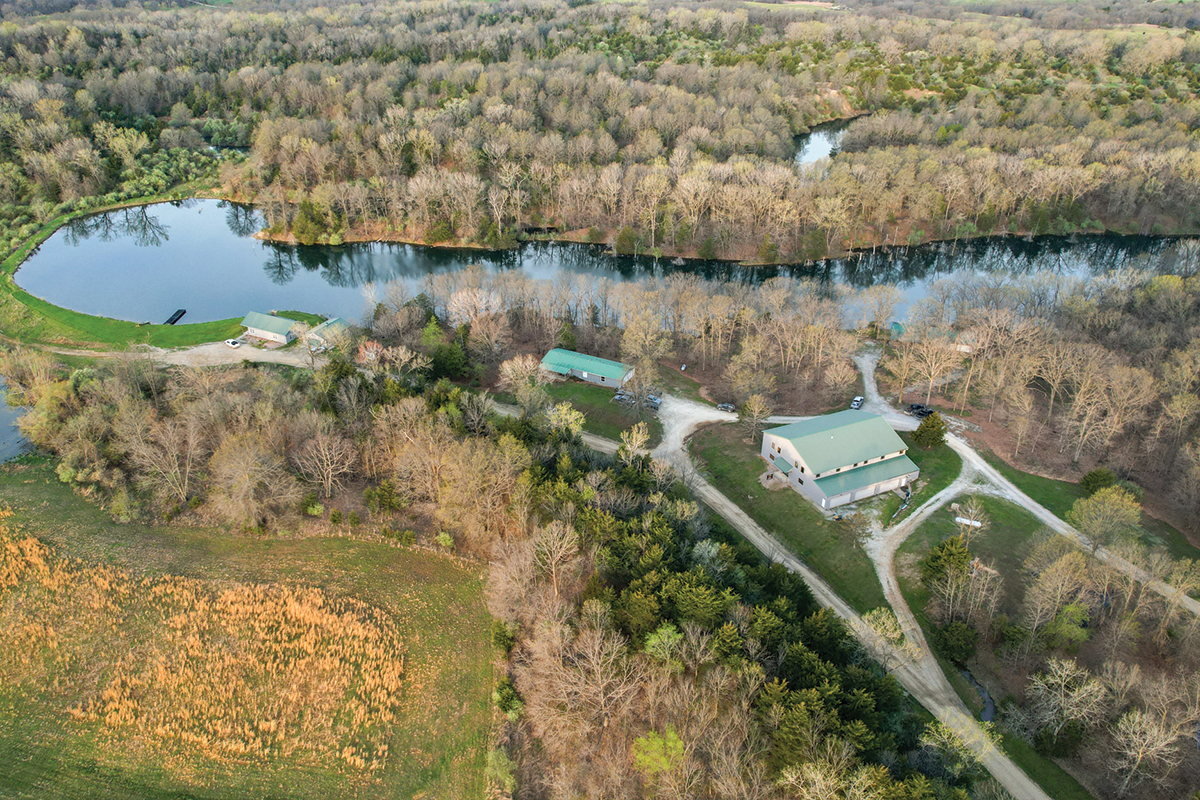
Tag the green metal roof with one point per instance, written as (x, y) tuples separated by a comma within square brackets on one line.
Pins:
[(840, 482), (563, 361), (782, 464), (841, 439), (267, 322), (329, 327)]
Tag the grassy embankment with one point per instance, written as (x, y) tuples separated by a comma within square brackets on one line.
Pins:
[(1004, 545), (831, 548), (30, 319), (436, 743), (1058, 497)]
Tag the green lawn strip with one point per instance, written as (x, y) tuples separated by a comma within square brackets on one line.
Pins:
[(831, 548), (1004, 546), (604, 416), (441, 734), (1059, 496), (939, 467), (31, 319)]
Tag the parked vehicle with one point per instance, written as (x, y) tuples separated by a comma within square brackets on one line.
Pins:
[(727, 408), (234, 343), (856, 402), (913, 408)]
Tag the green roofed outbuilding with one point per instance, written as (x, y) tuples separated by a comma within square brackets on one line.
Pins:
[(593, 369), (269, 327), (839, 458)]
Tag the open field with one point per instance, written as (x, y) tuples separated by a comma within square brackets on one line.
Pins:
[(1004, 546), (1059, 496), (331, 644), (831, 548)]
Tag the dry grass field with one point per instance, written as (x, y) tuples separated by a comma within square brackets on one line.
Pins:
[(142, 661)]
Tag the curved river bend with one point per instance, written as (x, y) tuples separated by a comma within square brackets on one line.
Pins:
[(143, 263)]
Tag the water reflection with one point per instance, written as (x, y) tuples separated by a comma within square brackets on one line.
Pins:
[(143, 263), (822, 141)]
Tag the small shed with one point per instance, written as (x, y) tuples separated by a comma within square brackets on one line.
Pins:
[(327, 333), (592, 369), (269, 327)]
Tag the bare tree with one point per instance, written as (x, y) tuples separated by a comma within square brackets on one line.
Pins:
[(1063, 693), (753, 416), (326, 459)]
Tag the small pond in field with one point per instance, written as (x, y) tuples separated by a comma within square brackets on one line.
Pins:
[(143, 263), (12, 443)]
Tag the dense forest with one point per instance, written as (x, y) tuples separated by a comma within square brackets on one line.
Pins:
[(665, 129)]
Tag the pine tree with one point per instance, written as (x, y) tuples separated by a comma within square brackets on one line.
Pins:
[(932, 431)]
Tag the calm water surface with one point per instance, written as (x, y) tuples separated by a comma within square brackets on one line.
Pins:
[(822, 141), (12, 443), (142, 264)]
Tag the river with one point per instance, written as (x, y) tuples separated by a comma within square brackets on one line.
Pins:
[(143, 263)]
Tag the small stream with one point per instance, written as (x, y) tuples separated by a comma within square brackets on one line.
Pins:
[(989, 705)]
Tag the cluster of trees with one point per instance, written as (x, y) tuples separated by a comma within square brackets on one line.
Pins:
[(1104, 668), (1077, 371), (747, 339), (672, 125)]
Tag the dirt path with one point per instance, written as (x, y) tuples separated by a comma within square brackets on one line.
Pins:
[(212, 354)]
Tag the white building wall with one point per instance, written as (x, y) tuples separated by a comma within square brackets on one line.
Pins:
[(269, 335)]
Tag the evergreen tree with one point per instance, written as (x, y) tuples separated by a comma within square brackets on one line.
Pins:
[(932, 431)]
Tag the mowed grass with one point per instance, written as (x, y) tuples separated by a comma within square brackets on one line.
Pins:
[(604, 416), (939, 467), (1059, 496), (831, 548), (436, 744), (1012, 534)]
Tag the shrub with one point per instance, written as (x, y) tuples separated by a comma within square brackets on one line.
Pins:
[(504, 636), (407, 537), (445, 540), (1097, 479), (707, 249), (595, 236), (956, 641), (507, 700), (931, 432), (628, 242), (439, 232), (335, 516), (354, 518)]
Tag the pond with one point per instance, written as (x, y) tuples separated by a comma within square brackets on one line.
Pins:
[(142, 264), (822, 141), (12, 443)]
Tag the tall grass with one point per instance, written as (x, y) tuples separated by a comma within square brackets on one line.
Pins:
[(231, 671)]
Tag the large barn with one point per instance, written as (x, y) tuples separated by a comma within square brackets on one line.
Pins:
[(592, 369), (839, 458)]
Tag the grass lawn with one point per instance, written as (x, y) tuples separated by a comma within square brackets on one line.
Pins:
[(680, 384), (312, 320), (1004, 546), (1059, 496), (939, 467), (831, 548), (437, 744), (604, 416)]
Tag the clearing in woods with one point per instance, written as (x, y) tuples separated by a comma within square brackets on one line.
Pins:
[(168, 661)]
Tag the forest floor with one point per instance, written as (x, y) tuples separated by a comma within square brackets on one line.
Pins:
[(436, 743)]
